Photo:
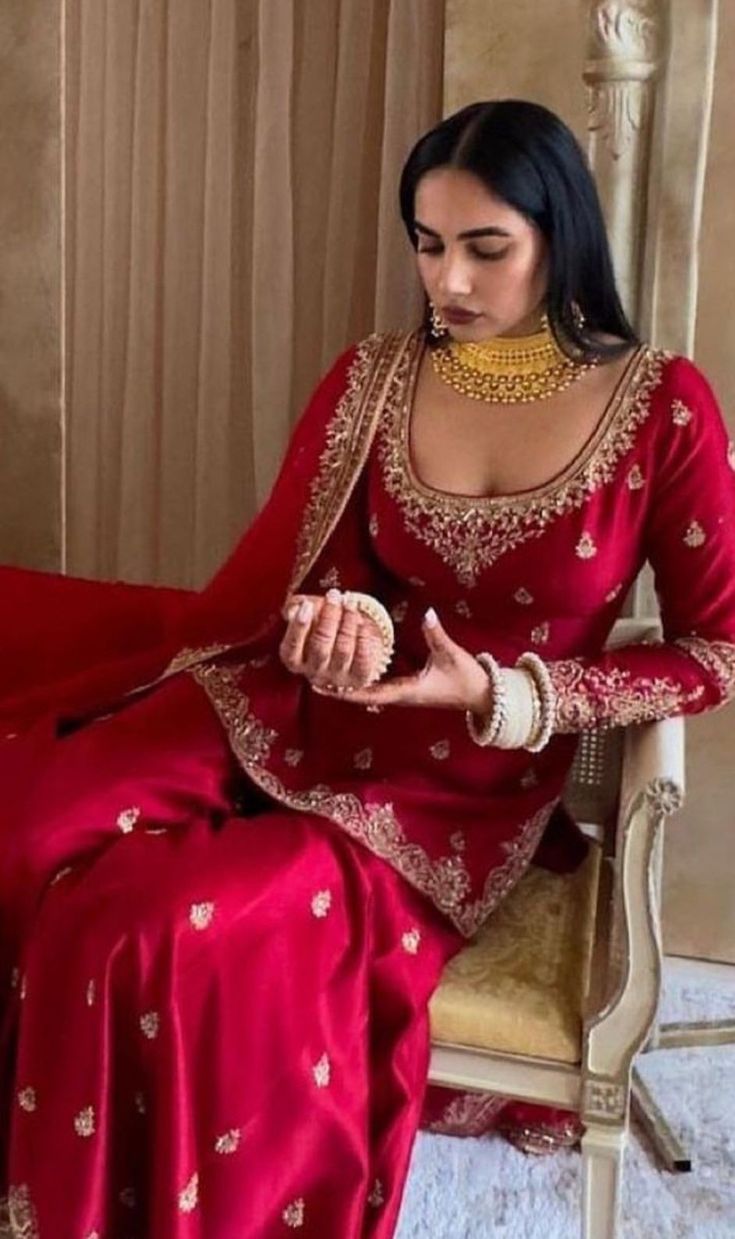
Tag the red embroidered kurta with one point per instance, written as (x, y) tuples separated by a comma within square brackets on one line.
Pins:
[(546, 570), (132, 1067)]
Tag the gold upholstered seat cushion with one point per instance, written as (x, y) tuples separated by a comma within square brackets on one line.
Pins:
[(520, 984)]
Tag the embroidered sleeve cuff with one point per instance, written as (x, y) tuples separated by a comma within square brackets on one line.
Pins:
[(717, 658), (592, 696)]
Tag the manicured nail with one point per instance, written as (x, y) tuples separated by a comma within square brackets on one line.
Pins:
[(350, 604), (306, 610), (333, 595), (431, 619), (292, 612)]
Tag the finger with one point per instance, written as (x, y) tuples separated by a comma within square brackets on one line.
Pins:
[(295, 600), (287, 610), (442, 648), (292, 646), (320, 642), (366, 653), (346, 641)]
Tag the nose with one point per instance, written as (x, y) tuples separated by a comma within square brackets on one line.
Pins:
[(455, 278)]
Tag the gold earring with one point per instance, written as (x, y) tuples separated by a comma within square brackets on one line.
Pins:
[(439, 328)]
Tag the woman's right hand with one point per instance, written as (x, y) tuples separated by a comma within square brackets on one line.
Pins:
[(329, 641)]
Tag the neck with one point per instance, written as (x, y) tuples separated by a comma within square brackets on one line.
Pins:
[(538, 337), (531, 325)]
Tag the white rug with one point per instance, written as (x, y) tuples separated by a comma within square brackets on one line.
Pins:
[(474, 1189)]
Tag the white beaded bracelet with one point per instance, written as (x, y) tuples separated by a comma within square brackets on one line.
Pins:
[(493, 723), (539, 672), (522, 719)]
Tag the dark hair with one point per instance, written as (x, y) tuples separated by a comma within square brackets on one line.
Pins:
[(528, 157)]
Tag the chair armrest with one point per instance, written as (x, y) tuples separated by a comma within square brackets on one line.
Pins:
[(652, 787)]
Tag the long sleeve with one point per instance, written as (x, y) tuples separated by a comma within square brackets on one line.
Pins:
[(690, 544)]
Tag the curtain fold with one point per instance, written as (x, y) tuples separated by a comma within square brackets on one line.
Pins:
[(232, 223)]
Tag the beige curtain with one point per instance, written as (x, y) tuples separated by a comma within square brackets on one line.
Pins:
[(231, 224)]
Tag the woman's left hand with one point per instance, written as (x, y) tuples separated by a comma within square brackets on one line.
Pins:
[(451, 677)]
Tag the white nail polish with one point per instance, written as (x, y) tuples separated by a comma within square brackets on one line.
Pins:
[(431, 619), (292, 612), (306, 610), (333, 595)]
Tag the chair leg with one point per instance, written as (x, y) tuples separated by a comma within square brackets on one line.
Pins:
[(667, 1149), (602, 1173)]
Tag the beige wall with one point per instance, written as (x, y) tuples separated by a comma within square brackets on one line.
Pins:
[(522, 49), (30, 258), (188, 278), (715, 340), (698, 885), (526, 49)]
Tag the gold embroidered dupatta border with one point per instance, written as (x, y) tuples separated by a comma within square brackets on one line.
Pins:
[(349, 437)]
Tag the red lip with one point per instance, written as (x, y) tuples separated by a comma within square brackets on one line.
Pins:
[(453, 314)]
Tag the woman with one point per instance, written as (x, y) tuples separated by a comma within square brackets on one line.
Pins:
[(231, 873)]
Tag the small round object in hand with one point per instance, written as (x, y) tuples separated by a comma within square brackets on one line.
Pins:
[(375, 611)]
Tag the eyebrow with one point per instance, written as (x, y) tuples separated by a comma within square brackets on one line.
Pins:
[(464, 236)]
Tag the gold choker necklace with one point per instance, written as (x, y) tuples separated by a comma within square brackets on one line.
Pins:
[(508, 370)]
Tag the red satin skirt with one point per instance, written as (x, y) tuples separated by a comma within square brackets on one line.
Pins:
[(213, 1019)]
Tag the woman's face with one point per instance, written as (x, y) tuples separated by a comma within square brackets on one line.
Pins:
[(482, 263)]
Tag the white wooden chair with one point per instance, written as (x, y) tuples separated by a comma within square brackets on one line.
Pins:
[(558, 992)]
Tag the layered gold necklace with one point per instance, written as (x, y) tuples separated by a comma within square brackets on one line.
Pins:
[(508, 370)]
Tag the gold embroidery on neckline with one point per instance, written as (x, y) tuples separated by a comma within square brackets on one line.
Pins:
[(445, 880), (470, 533)]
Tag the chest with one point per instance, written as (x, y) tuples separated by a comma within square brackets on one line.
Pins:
[(565, 547), (474, 448)]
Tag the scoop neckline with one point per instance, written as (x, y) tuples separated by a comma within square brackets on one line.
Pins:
[(568, 473)]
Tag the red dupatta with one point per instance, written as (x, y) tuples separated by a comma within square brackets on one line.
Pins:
[(71, 646)]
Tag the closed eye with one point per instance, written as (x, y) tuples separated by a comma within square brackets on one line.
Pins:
[(494, 257), (483, 255)]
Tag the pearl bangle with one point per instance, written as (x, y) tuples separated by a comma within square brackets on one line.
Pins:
[(522, 718), (492, 724), (539, 672), (523, 706)]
